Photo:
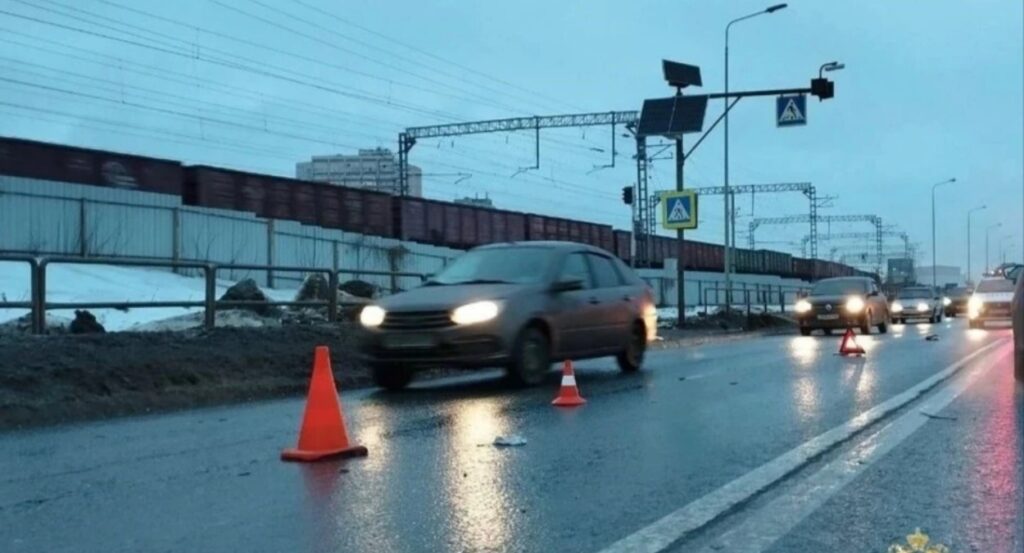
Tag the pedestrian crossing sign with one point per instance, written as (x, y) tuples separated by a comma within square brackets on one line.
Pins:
[(791, 110), (679, 210)]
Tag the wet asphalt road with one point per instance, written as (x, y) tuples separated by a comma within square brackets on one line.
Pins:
[(643, 446)]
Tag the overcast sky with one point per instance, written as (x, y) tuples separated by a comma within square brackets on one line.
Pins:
[(932, 89)]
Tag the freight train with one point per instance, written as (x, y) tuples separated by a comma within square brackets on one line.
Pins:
[(368, 212)]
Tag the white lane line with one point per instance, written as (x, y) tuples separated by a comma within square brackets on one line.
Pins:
[(671, 528), (776, 519)]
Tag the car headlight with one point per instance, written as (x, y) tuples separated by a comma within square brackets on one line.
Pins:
[(974, 306), (897, 307), (855, 305), (922, 306), (946, 302), (802, 306), (476, 312), (372, 316)]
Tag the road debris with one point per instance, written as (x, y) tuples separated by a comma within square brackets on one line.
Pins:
[(938, 417), (932, 337), (512, 440)]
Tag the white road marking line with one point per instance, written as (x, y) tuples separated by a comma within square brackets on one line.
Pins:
[(776, 519), (671, 528)]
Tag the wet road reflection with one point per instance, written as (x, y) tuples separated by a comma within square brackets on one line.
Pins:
[(477, 493)]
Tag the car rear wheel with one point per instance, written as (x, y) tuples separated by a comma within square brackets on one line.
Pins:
[(392, 377), (805, 330), (632, 358), (531, 357)]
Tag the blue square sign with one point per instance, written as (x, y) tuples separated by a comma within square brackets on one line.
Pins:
[(791, 110), (679, 210)]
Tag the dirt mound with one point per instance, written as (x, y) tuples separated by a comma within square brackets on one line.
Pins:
[(736, 320), (58, 378), (85, 323), (247, 290)]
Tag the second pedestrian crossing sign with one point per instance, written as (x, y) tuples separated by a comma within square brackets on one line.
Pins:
[(791, 110), (679, 210)]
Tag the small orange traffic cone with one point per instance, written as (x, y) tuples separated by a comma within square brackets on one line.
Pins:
[(569, 394), (323, 432), (849, 345)]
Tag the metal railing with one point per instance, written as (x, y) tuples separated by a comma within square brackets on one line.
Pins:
[(39, 306), (753, 293), (762, 295)]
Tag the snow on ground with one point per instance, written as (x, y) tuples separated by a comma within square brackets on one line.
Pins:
[(94, 283), (667, 316)]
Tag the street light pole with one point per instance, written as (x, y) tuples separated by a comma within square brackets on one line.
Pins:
[(979, 208), (1002, 252), (987, 231), (934, 186), (727, 197)]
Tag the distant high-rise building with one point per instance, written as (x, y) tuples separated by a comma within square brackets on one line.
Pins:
[(373, 169), (476, 201)]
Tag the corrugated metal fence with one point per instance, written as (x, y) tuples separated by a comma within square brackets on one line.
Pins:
[(57, 218)]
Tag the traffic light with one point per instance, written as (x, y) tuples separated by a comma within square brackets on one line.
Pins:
[(823, 88), (627, 195)]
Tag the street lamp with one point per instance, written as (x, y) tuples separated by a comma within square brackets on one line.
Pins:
[(934, 186), (979, 208), (727, 197), (830, 66), (1002, 252), (994, 226)]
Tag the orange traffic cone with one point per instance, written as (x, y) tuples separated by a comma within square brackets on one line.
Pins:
[(849, 345), (323, 432), (569, 394)]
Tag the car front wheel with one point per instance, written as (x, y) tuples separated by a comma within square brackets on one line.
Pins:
[(531, 357), (392, 377), (632, 357), (865, 327)]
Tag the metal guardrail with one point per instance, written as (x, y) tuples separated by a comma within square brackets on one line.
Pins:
[(761, 295), (38, 304)]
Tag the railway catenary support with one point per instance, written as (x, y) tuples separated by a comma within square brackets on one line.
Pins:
[(907, 247), (642, 225), (797, 219), (806, 188)]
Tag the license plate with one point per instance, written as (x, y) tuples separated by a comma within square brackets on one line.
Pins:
[(408, 341), (828, 317)]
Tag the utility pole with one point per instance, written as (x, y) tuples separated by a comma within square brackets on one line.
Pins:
[(969, 213), (680, 267)]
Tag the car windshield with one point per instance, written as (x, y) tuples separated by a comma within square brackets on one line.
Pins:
[(516, 265), (915, 293), (838, 287), (995, 285)]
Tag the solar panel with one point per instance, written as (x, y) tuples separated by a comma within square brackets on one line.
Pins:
[(672, 116), (681, 75)]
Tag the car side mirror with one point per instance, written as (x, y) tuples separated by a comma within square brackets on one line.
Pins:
[(567, 285), (873, 293)]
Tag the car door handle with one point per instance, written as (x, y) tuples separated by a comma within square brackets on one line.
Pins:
[(594, 301)]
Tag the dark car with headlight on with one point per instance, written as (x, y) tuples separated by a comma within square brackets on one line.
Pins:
[(513, 305), (990, 301), (917, 302), (840, 303)]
